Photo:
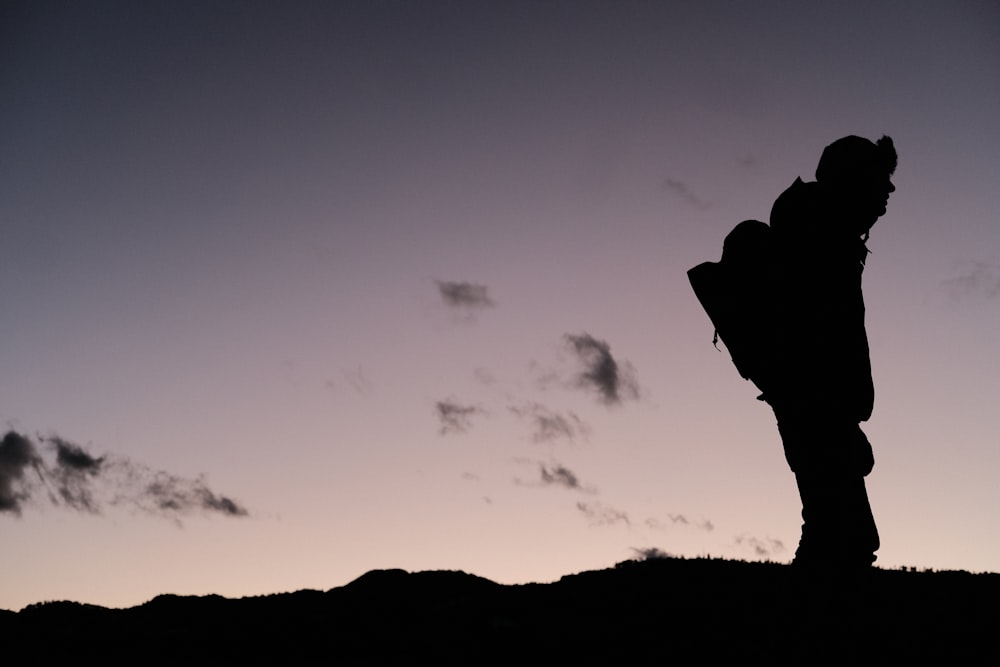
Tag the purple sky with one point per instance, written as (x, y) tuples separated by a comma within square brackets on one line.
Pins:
[(348, 265)]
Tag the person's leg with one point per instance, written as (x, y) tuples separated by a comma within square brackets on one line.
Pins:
[(830, 460), (820, 520), (860, 535), (838, 528)]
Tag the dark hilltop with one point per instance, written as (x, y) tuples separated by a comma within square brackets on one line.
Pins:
[(660, 611)]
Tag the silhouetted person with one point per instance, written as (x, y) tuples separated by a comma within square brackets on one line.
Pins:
[(822, 383)]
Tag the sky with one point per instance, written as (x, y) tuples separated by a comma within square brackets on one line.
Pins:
[(292, 291)]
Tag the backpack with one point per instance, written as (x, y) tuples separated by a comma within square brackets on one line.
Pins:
[(738, 294)]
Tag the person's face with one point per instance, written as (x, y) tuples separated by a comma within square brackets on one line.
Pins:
[(878, 189), (869, 195)]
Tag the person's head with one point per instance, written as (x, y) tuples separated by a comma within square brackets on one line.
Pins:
[(857, 171)]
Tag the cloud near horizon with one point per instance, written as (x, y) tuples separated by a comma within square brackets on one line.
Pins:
[(761, 547), (72, 477), (612, 381), (651, 553), (656, 524), (599, 514)]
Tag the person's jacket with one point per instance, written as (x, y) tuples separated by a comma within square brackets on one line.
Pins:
[(824, 364)]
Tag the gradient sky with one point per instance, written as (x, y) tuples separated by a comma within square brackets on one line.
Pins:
[(329, 260)]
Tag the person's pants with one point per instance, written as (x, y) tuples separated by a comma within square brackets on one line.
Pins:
[(830, 459)]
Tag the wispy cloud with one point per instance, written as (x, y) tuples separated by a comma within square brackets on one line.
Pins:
[(979, 279), (18, 460), (484, 377), (170, 493), (651, 553), (681, 519), (681, 190), (74, 474), (69, 476), (465, 295), (599, 514), (556, 474), (612, 381), (455, 417), (560, 476), (355, 378), (764, 548), (549, 425)]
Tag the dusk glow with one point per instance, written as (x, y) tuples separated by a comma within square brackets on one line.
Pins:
[(291, 291)]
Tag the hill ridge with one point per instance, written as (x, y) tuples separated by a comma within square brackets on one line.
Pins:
[(654, 609)]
